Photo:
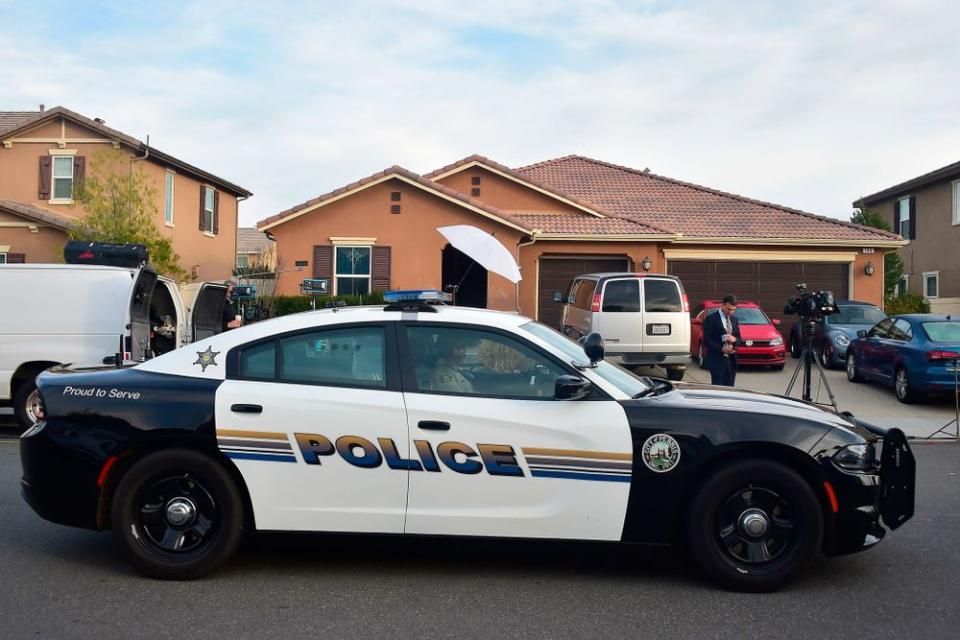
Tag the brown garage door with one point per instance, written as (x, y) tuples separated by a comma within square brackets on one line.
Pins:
[(556, 273), (767, 283)]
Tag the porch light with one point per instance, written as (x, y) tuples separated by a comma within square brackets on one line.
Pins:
[(645, 264), (869, 269)]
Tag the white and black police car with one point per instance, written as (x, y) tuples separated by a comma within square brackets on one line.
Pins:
[(418, 418)]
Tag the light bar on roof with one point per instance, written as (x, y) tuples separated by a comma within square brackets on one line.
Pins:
[(417, 295)]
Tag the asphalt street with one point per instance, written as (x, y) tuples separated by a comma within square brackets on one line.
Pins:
[(60, 582)]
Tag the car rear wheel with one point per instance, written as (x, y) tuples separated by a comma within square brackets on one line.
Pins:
[(853, 373), (177, 515), (795, 347), (755, 525), (903, 388), (701, 357)]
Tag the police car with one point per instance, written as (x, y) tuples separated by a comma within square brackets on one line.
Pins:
[(420, 418)]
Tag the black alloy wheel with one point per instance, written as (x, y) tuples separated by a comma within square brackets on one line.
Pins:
[(795, 347), (755, 525), (177, 514)]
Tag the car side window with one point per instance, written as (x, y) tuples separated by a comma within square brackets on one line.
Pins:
[(881, 330), (621, 296), (661, 296), (473, 362), (259, 361), (351, 356), (901, 330)]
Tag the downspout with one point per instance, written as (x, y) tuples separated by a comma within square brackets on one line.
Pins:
[(146, 154), (520, 245)]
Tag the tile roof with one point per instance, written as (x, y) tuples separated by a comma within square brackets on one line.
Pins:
[(36, 214), (249, 240), (12, 121), (396, 170), (573, 224), (688, 209)]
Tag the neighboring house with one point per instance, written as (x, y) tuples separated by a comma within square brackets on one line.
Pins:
[(254, 249), (42, 155), (563, 217), (926, 212)]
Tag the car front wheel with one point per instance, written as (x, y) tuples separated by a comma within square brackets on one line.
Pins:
[(177, 515), (755, 525), (853, 374)]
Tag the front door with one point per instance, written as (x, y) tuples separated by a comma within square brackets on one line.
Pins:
[(495, 454), (315, 423)]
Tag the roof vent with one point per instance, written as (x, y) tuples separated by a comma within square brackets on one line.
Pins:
[(99, 120), (42, 108)]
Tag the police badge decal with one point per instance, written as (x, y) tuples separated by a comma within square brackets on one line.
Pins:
[(661, 453), (206, 358)]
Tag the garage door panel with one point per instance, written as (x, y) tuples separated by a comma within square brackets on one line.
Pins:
[(556, 274)]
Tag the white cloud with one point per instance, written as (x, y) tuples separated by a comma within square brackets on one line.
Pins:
[(809, 105)]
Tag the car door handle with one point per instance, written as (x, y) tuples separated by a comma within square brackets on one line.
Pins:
[(246, 408), (434, 425)]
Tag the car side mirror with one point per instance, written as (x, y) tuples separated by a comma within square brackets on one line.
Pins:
[(862, 333), (571, 388), (593, 348), (776, 322), (558, 297)]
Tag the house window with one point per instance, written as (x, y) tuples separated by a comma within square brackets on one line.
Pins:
[(208, 209), (62, 177), (903, 215), (243, 261), (903, 286), (3, 258), (931, 284), (956, 202), (352, 270), (168, 205)]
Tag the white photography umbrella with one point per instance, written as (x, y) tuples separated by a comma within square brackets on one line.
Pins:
[(484, 249)]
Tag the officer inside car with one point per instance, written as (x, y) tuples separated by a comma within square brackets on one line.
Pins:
[(447, 375), (721, 333)]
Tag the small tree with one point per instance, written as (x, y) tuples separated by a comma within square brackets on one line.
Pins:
[(121, 207), (892, 264)]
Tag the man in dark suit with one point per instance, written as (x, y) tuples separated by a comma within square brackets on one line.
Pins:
[(721, 334)]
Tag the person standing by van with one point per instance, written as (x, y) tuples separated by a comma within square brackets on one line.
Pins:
[(721, 333), (230, 319)]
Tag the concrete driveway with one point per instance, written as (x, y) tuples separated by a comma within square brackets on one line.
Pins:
[(867, 400)]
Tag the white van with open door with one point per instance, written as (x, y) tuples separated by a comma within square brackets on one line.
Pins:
[(87, 315), (644, 319)]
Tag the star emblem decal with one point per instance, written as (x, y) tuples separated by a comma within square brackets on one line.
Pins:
[(206, 358)]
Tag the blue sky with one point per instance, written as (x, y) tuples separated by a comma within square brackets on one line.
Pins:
[(808, 104)]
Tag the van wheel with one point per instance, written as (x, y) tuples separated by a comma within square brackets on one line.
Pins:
[(676, 373), (755, 525), (177, 515), (26, 404)]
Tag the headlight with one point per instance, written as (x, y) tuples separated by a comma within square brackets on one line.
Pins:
[(840, 338), (856, 457), (776, 342)]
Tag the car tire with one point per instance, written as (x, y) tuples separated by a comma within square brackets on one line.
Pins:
[(676, 373), (825, 360), (701, 357), (761, 494), (26, 403), (853, 372), (902, 387), (177, 514)]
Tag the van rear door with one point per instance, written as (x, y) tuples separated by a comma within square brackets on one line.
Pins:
[(206, 312), (666, 325), (619, 319), (141, 295)]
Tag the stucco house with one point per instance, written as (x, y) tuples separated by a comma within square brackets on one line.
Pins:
[(43, 153), (567, 216), (926, 211)]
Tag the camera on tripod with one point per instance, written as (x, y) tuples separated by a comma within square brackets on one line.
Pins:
[(810, 305)]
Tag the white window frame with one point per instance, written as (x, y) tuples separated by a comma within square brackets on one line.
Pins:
[(337, 275), (212, 210), (54, 177), (905, 278), (956, 202), (169, 188), (926, 276)]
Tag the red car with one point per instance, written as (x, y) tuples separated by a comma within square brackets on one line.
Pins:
[(762, 342)]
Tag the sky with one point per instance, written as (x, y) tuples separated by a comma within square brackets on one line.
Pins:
[(806, 104)]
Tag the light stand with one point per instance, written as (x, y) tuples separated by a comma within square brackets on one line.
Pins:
[(807, 360), (956, 406)]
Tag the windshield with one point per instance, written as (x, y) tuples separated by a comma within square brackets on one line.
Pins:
[(746, 315), (617, 376), (942, 331), (856, 314)]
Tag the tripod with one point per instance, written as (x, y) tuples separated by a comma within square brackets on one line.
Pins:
[(956, 406), (807, 359)]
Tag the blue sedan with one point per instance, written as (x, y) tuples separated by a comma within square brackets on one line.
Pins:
[(918, 354)]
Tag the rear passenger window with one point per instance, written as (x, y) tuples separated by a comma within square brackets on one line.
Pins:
[(259, 362), (350, 357), (583, 294), (621, 296), (661, 295)]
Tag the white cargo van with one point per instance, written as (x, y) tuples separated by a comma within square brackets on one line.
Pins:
[(86, 314), (644, 319)]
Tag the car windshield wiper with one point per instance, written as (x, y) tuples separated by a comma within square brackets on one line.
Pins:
[(650, 390)]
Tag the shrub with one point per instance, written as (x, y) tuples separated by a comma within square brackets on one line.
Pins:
[(906, 303), (285, 305)]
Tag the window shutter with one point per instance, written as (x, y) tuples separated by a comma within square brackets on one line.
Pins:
[(46, 175), (896, 217), (323, 262), (16, 258), (79, 169), (913, 217), (203, 198), (380, 269), (216, 212)]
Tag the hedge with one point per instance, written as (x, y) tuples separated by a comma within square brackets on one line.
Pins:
[(906, 303), (285, 305)]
